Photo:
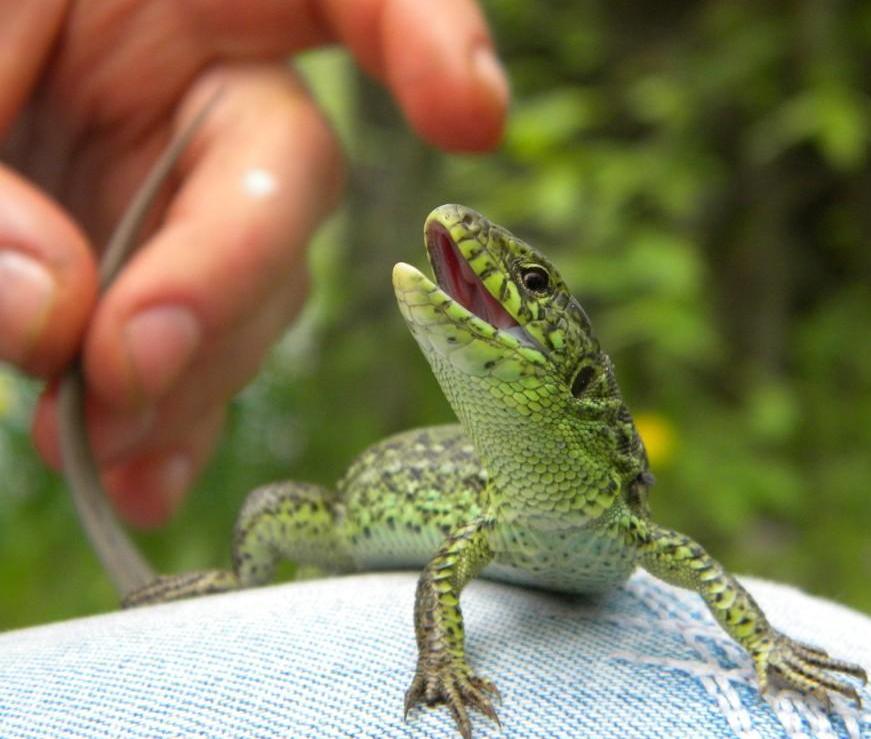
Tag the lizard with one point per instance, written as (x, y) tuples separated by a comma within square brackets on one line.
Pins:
[(544, 482)]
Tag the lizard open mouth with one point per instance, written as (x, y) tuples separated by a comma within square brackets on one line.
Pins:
[(459, 281), (471, 313)]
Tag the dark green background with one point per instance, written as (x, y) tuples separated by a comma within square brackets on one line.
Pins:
[(700, 173)]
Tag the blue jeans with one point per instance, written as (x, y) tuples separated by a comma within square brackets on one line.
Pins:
[(333, 657)]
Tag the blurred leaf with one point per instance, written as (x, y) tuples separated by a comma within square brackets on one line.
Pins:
[(832, 117), (549, 121)]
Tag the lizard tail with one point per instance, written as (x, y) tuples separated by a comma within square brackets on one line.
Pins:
[(122, 561)]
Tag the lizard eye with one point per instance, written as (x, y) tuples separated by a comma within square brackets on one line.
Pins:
[(535, 278), (582, 380)]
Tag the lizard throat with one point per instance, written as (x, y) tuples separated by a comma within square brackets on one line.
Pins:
[(459, 281)]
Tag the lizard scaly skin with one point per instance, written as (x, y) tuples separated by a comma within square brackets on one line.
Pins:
[(544, 482)]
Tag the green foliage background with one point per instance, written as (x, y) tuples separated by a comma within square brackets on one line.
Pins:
[(701, 174)]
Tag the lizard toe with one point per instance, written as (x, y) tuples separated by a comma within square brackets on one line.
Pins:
[(457, 687), (806, 668)]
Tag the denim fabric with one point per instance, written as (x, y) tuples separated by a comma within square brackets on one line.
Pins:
[(334, 657)]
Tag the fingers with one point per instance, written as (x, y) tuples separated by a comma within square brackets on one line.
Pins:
[(437, 58), (440, 64), (148, 489), (153, 454), (47, 276), (47, 280), (187, 324), (434, 54), (260, 177), (27, 31)]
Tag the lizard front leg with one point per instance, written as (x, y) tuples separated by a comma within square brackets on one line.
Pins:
[(443, 675), (680, 561)]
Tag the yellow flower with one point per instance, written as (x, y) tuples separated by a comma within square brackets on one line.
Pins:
[(658, 435)]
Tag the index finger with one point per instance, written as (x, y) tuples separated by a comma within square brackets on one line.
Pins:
[(435, 56)]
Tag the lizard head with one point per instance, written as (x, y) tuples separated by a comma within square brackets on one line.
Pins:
[(517, 359), (497, 307)]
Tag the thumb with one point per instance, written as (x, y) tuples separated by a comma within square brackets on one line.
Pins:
[(48, 280)]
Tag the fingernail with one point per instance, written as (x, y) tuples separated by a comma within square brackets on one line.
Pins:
[(161, 342), (490, 72), (27, 291)]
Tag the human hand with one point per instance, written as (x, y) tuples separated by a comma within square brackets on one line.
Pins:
[(90, 93)]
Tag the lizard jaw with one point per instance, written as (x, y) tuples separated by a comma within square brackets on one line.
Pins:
[(459, 281), (463, 319), (461, 278), (432, 314)]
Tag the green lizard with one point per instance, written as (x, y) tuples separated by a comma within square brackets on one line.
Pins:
[(544, 482)]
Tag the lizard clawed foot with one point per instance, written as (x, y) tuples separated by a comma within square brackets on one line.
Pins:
[(806, 668), (454, 684)]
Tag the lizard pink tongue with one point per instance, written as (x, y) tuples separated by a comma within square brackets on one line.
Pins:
[(457, 278)]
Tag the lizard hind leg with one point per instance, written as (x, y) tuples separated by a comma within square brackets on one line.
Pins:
[(296, 521)]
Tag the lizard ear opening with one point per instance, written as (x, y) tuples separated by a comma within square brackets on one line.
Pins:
[(582, 380)]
